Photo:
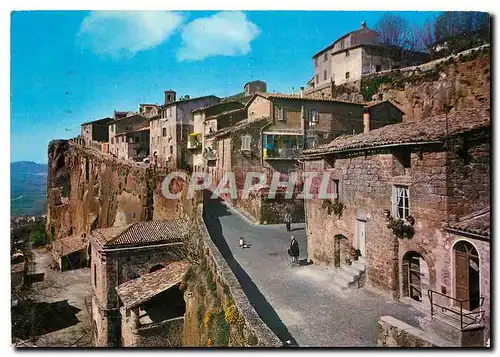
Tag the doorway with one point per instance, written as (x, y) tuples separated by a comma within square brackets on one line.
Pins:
[(415, 277), (361, 236), (467, 277)]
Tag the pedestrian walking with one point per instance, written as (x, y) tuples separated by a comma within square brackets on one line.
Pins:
[(288, 221), (294, 251)]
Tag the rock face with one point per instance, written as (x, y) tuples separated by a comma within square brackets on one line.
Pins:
[(461, 81), (87, 189)]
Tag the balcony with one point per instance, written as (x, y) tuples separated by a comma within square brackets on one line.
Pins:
[(282, 146), (209, 155), (194, 141)]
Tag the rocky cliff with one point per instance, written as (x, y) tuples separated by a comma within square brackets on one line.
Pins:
[(87, 189)]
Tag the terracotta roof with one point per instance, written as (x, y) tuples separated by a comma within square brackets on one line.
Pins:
[(224, 113), (135, 292), (478, 223), (427, 130), (145, 232), (374, 103), (70, 244), (298, 97)]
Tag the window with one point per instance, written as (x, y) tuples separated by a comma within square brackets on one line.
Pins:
[(401, 202), (123, 139), (335, 189), (164, 132), (317, 78), (245, 142), (347, 75), (316, 62), (324, 75), (280, 113), (171, 149), (112, 128), (378, 68), (158, 139), (347, 53), (169, 112), (312, 116), (112, 140), (95, 276), (325, 57), (136, 139)]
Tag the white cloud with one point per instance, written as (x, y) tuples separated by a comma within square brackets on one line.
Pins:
[(226, 33), (124, 33)]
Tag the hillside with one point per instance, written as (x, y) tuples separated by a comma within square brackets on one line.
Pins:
[(28, 185)]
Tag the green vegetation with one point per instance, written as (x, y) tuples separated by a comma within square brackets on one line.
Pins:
[(37, 233)]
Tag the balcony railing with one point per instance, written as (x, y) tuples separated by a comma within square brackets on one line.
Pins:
[(282, 153), (457, 314)]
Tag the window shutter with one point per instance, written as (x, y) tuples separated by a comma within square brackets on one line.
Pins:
[(300, 141), (394, 202)]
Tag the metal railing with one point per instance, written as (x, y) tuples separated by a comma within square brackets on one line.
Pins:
[(474, 316)]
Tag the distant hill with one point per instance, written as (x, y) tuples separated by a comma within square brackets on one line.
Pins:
[(28, 186)]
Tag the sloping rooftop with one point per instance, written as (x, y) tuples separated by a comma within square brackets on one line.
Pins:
[(433, 129), (227, 112), (144, 128), (478, 223), (298, 97), (181, 101), (70, 244), (143, 233), (103, 121), (241, 124), (135, 292), (340, 38)]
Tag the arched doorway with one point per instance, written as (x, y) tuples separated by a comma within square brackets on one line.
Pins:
[(415, 277), (467, 277)]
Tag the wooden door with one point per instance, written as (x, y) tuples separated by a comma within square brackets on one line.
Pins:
[(462, 278), (361, 237)]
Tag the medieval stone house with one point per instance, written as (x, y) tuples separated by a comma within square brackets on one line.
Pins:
[(95, 131), (124, 254), (277, 128), (431, 182)]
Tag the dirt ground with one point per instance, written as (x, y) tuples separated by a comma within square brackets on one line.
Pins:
[(60, 317)]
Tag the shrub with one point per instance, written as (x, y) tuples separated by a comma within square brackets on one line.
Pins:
[(232, 316), (251, 340), (401, 228), (208, 318)]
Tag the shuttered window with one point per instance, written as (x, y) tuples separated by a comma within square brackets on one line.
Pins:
[(245, 142)]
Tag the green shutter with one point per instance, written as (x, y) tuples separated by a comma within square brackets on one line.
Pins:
[(300, 141)]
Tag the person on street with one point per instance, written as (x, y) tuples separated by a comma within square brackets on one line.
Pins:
[(294, 251), (288, 221)]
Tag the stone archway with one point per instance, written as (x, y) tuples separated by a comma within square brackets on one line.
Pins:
[(415, 276), (467, 275)]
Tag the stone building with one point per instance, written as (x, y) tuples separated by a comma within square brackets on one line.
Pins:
[(129, 136), (277, 128), (71, 252), (208, 120), (170, 131), (153, 308), (95, 131), (431, 183), (122, 254), (355, 54)]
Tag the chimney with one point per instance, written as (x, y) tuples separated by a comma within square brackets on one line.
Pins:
[(366, 120), (169, 96), (363, 25), (302, 92)]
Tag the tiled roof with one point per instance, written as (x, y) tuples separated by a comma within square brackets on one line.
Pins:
[(478, 223), (374, 103), (298, 97), (225, 113), (143, 233), (188, 100), (70, 244), (428, 130), (135, 292)]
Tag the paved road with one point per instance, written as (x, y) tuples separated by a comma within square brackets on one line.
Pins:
[(297, 303)]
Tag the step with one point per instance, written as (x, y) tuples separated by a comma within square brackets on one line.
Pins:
[(342, 282), (452, 319), (350, 270), (347, 273), (359, 266)]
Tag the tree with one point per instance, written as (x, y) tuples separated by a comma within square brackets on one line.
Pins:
[(451, 24), (393, 30)]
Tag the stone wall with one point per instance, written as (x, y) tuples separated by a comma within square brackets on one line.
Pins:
[(392, 332), (228, 301), (87, 189), (440, 188)]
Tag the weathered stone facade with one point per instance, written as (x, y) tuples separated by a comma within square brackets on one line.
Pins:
[(446, 179)]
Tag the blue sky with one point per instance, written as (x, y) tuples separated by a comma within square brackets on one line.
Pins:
[(68, 67)]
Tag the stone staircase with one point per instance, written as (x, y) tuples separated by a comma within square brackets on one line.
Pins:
[(350, 276)]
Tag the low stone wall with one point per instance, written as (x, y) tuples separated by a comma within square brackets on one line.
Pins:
[(392, 332), (256, 332), (164, 334)]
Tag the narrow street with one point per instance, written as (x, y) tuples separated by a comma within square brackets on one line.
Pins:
[(299, 304)]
